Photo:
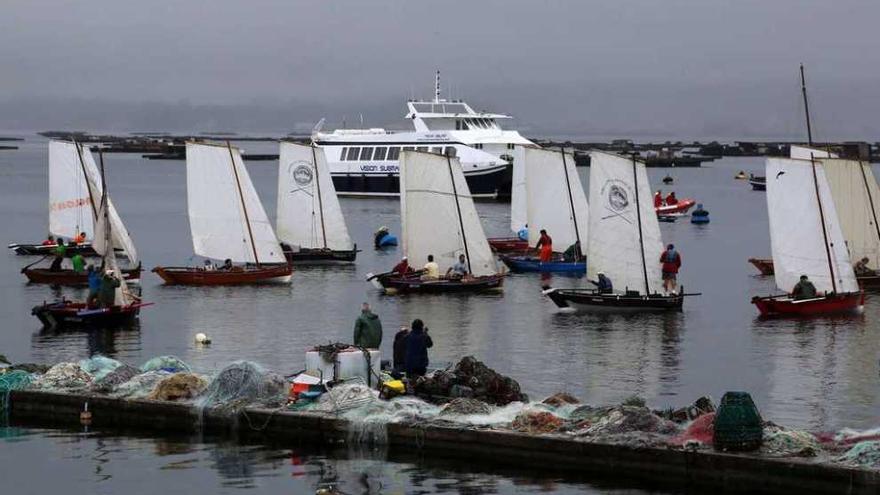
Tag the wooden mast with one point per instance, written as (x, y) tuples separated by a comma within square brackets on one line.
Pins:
[(82, 167), (577, 233), (467, 254), (247, 220), (639, 219), (806, 107), (320, 199)]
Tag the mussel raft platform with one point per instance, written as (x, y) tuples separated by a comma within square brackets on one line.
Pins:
[(661, 467)]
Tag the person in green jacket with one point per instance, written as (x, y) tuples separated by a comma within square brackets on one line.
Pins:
[(367, 329), (107, 292), (60, 252), (78, 262)]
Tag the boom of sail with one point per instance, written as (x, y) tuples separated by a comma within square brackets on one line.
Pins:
[(624, 241), (309, 215), (438, 214), (556, 199), (226, 217)]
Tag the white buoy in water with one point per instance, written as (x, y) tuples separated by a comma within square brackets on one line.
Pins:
[(202, 338)]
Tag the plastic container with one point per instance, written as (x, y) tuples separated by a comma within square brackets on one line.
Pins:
[(738, 424), (349, 363)]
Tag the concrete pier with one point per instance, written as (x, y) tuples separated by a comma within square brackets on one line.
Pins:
[(672, 468)]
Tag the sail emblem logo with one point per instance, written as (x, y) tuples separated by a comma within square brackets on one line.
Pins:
[(302, 174), (617, 198)]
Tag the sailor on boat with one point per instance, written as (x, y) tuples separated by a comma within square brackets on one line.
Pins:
[(50, 241), (603, 284), (78, 262), (671, 199), (658, 199), (107, 292), (671, 262), (60, 252), (403, 267), (804, 289), (862, 270), (94, 285), (458, 270), (432, 269), (544, 247), (81, 238)]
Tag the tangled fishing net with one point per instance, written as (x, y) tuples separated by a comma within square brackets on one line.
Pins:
[(789, 443), (113, 379), (99, 366), (9, 381), (537, 422), (863, 454), (603, 421), (179, 386), (139, 386), (344, 398), (63, 377), (243, 383), (172, 364), (465, 407), (700, 432), (470, 378)]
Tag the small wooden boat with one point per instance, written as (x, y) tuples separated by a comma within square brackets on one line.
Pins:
[(668, 218), (309, 216), (741, 175), (758, 183), (682, 206), (784, 305), (227, 222), (764, 265), (70, 277), (66, 314), (533, 264), (84, 249), (593, 300), (668, 179), (439, 219), (508, 245), (624, 235), (238, 275)]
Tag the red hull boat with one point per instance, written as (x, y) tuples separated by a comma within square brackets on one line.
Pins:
[(764, 265), (826, 305), (69, 277), (73, 314), (186, 275), (508, 245), (682, 206)]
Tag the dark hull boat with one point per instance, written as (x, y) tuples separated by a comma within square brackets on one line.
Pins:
[(592, 300), (783, 305), (758, 183), (508, 245), (320, 256), (764, 265), (84, 249), (69, 277), (174, 275), (532, 264), (66, 314), (414, 284)]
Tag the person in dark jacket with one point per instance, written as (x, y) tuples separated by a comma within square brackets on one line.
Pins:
[(804, 289), (107, 292), (603, 284), (417, 344), (367, 329), (399, 358)]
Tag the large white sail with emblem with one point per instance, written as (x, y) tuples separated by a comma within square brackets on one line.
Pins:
[(438, 214), (309, 215), (72, 206), (226, 218), (624, 241)]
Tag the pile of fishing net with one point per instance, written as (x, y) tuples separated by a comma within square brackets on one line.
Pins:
[(700, 432), (113, 379), (346, 397), (10, 381), (171, 364), (470, 379), (99, 366), (179, 386), (63, 377), (781, 442), (465, 407), (138, 386), (863, 454), (242, 384), (602, 422), (531, 421)]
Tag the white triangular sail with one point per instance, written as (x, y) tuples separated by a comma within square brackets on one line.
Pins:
[(805, 152), (121, 238), (309, 215), (620, 198), (857, 201), (796, 234), (103, 245), (71, 206), (226, 218), (556, 199), (518, 213), (438, 214)]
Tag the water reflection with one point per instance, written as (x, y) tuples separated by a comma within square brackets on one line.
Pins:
[(53, 345)]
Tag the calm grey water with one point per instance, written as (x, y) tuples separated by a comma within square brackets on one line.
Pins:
[(816, 374)]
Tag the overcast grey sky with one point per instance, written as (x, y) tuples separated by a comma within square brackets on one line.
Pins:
[(664, 69)]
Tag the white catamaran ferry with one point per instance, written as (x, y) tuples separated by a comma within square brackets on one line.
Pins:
[(365, 162)]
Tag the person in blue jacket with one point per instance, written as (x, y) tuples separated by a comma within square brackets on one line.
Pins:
[(417, 344), (94, 285)]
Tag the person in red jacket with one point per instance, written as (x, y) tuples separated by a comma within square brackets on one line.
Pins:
[(671, 262), (545, 247), (403, 267), (671, 199), (658, 199)]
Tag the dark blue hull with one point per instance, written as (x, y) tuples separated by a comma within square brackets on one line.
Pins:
[(530, 264)]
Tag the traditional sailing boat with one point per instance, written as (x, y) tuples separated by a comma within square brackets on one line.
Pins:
[(624, 241), (813, 245), (227, 222), (439, 218), (72, 166), (555, 202), (125, 306), (310, 224), (518, 212)]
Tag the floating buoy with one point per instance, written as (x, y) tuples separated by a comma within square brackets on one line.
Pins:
[(85, 417), (202, 338), (741, 175)]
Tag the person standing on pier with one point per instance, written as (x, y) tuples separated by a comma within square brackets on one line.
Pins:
[(417, 344), (399, 350), (367, 329)]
